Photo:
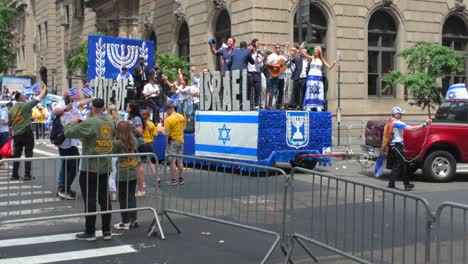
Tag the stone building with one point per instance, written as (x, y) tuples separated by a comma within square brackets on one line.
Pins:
[(369, 33)]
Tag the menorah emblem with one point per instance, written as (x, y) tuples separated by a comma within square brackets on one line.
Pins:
[(119, 58), (297, 122), (297, 129)]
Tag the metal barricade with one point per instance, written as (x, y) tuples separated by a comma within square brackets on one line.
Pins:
[(451, 233), (361, 222), (351, 133), (230, 193), (24, 200)]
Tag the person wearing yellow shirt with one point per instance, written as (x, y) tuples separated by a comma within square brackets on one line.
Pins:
[(174, 130), (149, 134), (39, 115)]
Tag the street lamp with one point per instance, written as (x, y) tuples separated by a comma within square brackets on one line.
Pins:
[(338, 109)]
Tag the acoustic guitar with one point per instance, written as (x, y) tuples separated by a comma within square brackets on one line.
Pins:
[(276, 69)]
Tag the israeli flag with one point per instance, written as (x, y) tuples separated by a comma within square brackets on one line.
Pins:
[(232, 135), (457, 91)]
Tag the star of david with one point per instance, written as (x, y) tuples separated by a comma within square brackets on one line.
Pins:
[(224, 134), (452, 95), (315, 89)]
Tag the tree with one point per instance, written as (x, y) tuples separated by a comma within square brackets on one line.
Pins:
[(170, 63), (6, 36), (76, 60), (427, 63)]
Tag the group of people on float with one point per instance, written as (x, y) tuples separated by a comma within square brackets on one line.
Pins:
[(306, 72)]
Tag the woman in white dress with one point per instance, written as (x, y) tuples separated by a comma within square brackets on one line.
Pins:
[(315, 94)]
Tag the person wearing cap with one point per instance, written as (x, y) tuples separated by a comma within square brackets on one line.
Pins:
[(174, 131), (4, 129), (39, 115), (393, 146), (23, 136), (125, 75), (141, 74), (96, 134)]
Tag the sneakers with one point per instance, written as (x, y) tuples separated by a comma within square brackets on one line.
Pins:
[(181, 181), (86, 237), (409, 187), (140, 194), (106, 235), (14, 178), (122, 226), (70, 195), (134, 224), (28, 178), (173, 182)]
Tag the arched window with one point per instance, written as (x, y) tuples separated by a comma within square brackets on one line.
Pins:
[(382, 35), (454, 36), (222, 32), (310, 25), (184, 42)]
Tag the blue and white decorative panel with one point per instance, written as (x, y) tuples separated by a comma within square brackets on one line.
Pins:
[(231, 135), (107, 55)]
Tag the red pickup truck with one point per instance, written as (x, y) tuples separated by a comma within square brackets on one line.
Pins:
[(439, 150)]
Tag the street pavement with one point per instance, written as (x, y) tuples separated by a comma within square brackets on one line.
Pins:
[(199, 242)]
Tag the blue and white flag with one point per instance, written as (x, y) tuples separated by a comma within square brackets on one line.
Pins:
[(457, 91), (232, 135), (107, 55)]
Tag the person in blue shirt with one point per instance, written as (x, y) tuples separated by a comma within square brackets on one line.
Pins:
[(226, 53), (241, 58)]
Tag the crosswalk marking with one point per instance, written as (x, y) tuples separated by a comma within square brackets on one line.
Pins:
[(74, 255), (40, 239), (29, 201), (34, 211), (21, 187), (16, 194)]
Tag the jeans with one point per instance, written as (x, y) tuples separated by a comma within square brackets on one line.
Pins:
[(70, 166), (298, 91), (40, 130), (398, 164), (277, 86), (153, 104), (255, 83), (92, 185), (26, 141), (127, 200)]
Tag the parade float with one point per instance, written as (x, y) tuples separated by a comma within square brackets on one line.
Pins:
[(222, 127)]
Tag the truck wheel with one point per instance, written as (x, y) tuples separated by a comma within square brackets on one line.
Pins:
[(439, 166), (305, 163)]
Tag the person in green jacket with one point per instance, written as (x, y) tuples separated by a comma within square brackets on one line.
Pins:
[(23, 137), (96, 134), (126, 174)]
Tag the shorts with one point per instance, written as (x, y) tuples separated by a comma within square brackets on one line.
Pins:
[(146, 147), (174, 148)]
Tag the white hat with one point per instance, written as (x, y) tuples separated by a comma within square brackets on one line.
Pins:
[(39, 105), (397, 110)]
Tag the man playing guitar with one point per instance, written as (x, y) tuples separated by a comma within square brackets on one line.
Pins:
[(277, 66)]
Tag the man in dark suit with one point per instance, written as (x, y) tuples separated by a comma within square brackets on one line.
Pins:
[(299, 76), (141, 76)]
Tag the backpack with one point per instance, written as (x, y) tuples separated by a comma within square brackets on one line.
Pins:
[(57, 136)]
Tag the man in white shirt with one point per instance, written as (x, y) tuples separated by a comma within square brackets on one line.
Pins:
[(195, 93), (255, 75), (277, 83), (151, 93)]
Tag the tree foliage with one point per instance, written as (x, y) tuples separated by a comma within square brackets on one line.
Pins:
[(6, 36), (427, 64), (76, 60), (170, 63)]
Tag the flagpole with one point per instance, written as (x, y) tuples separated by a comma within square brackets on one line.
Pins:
[(338, 110)]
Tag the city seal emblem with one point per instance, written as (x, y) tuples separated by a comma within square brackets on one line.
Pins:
[(297, 129)]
